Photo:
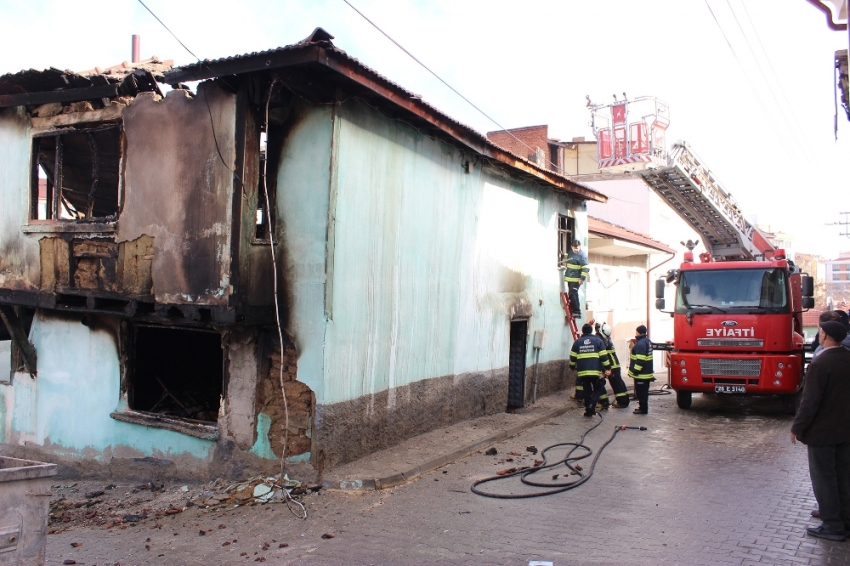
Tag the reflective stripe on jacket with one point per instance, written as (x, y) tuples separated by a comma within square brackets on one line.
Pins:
[(640, 366), (612, 353), (577, 268), (589, 356)]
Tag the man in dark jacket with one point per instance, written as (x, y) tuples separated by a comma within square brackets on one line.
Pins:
[(589, 359), (823, 425), (621, 392), (641, 370)]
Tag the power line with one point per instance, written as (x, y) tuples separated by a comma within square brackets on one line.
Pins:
[(764, 77), (749, 83), (770, 65), (169, 31), (409, 54)]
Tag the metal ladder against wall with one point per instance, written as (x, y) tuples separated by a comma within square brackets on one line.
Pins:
[(690, 189)]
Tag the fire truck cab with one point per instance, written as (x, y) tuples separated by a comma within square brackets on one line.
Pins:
[(738, 328)]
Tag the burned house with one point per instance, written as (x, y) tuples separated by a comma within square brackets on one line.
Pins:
[(146, 235)]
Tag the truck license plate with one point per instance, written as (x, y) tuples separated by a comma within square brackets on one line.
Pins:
[(730, 388)]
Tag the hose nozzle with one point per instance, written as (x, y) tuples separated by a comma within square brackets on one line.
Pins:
[(624, 427)]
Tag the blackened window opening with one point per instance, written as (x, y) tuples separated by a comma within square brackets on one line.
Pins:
[(262, 229), (177, 372), (566, 231), (76, 174), (271, 145)]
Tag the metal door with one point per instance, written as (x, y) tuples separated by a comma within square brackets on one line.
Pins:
[(516, 364)]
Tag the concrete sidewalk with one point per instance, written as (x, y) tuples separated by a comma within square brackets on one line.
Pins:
[(426, 452)]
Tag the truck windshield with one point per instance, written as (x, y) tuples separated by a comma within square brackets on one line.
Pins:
[(726, 289)]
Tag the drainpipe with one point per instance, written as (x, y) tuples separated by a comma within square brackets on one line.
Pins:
[(649, 292)]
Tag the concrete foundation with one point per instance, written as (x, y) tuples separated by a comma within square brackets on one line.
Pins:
[(347, 431)]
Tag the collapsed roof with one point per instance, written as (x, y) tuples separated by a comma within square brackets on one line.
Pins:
[(313, 68)]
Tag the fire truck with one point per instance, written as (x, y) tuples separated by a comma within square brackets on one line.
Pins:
[(737, 312)]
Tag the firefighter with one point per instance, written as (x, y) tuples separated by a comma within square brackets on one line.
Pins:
[(575, 274), (621, 392), (640, 369), (604, 401), (589, 358)]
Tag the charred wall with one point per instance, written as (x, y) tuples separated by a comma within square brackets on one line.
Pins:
[(178, 178)]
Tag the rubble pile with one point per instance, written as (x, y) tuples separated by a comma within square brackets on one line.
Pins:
[(89, 504)]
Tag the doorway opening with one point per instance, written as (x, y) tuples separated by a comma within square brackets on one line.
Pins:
[(516, 364)]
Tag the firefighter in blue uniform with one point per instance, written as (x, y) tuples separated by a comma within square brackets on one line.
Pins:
[(621, 392), (589, 359), (575, 274), (604, 400), (640, 369)]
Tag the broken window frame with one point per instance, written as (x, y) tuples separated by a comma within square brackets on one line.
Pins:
[(264, 221), (566, 234), (57, 208)]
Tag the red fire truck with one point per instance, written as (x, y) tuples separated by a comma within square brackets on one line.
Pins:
[(738, 325)]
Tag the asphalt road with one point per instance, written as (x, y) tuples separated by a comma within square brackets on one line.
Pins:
[(717, 484)]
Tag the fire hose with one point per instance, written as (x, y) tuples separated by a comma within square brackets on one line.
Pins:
[(570, 461)]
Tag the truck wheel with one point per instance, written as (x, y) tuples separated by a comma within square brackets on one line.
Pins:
[(683, 399), (792, 402)]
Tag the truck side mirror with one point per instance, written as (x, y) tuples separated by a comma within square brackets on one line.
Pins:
[(659, 304), (672, 275), (808, 284), (660, 285), (808, 302)]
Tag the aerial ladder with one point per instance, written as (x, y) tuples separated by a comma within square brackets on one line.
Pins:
[(737, 317), (631, 138)]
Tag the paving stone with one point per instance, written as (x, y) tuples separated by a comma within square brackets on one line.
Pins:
[(715, 485)]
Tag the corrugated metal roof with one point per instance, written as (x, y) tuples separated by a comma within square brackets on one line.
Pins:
[(320, 38)]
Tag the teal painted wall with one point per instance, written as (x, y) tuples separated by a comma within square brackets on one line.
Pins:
[(66, 407), (428, 260), (302, 210)]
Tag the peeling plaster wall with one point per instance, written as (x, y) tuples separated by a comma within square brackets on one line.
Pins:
[(179, 190), (65, 410), (19, 263), (238, 420)]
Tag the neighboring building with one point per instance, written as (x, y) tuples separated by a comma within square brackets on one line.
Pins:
[(837, 278), (836, 20), (413, 259), (617, 292)]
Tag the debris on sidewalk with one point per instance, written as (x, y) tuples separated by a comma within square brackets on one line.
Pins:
[(122, 506)]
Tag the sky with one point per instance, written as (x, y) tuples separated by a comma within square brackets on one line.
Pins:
[(750, 83)]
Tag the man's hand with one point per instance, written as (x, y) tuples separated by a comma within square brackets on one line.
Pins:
[(793, 438), (607, 372)]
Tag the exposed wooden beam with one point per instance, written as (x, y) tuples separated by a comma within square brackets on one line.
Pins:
[(19, 337)]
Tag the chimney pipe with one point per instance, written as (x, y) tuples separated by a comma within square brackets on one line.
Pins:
[(136, 48)]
